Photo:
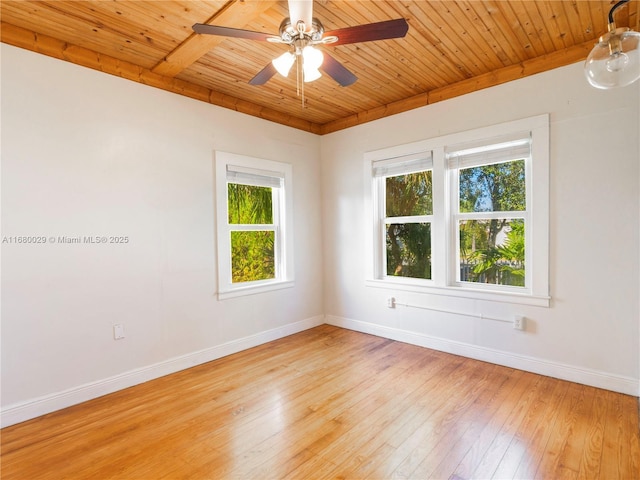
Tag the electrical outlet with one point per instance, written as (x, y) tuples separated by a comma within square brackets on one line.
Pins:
[(118, 331), (518, 322), (391, 302)]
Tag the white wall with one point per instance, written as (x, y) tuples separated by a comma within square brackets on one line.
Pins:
[(84, 153), (590, 332)]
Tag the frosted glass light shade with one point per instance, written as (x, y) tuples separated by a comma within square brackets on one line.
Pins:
[(615, 60), (311, 74), (312, 59), (283, 63)]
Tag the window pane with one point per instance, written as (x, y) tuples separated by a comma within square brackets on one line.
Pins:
[(492, 251), (252, 256), (249, 204), (493, 188), (409, 250), (409, 194)]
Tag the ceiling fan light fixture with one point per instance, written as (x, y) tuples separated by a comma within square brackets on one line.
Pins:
[(311, 74), (312, 59), (301, 31), (615, 60), (284, 63)]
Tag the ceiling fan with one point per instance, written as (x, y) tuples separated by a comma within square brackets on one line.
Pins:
[(301, 32)]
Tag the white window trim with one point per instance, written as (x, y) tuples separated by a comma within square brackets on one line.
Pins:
[(284, 233), (443, 268)]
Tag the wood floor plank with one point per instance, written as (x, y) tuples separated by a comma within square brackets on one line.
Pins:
[(620, 452), (333, 403), (479, 440), (263, 431), (366, 410), (520, 460), (492, 457), (352, 439), (403, 410), (558, 457), (264, 444), (388, 450), (444, 426), (594, 437), (448, 447)]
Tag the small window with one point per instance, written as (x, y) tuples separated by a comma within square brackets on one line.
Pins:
[(254, 245)]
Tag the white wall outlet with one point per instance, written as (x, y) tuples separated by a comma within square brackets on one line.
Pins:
[(118, 331), (391, 302), (519, 322)]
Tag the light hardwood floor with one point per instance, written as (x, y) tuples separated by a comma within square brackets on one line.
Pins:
[(332, 403)]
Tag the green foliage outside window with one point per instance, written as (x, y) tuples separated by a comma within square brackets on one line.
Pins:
[(483, 262), (409, 250), (493, 250), (249, 204), (409, 194), (252, 251), (252, 256)]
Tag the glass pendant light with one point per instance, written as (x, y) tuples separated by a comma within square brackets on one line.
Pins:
[(615, 60)]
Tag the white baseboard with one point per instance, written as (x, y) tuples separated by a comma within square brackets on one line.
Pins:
[(40, 406), (594, 378)]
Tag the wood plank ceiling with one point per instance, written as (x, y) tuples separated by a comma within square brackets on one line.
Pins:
[(452, 48)]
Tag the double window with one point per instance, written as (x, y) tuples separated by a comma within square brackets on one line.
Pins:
[(254, 225), (465, 214)]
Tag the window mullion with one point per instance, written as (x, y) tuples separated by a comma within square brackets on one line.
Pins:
[(438, 223), (251, 227), (491, 215), (409, 219)]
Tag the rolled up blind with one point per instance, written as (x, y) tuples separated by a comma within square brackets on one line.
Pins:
[(503, 150), (255, 177), (416, 162)]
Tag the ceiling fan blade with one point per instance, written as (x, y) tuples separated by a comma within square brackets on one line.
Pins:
[(372, 31), (230, 32), (337, 71), (264, 75), (301, 10)]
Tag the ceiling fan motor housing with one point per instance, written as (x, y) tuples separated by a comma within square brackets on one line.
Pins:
[(290, 33)]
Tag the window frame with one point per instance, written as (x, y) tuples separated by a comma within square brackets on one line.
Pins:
[(444, 225), (408, 164), (240, 168), (453, 173)]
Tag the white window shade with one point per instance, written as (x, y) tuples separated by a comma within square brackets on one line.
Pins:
[(505, 150), (404, 165), (255, 177)]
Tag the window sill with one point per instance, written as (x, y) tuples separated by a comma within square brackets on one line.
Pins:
[(461, 292), (254, 289)]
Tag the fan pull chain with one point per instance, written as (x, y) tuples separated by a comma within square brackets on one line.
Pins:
[(300, 79), (297, 75)]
